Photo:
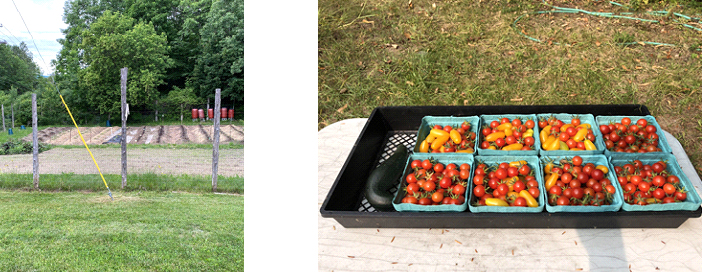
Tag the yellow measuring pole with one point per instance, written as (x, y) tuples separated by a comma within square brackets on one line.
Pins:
[(86, 147)]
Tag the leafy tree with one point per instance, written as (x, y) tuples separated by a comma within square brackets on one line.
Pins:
[(78, 15), (184, 97), (113, 42), (203, 50), (221, 62), (17, 69)]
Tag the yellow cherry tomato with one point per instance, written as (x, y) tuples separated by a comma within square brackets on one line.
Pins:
[(504, 126), (580, 135), (424, 147), (494, 136), (550, 181), (531, 201), (455, 136), (491, 201), (439, 142), (589, 145), (514, 146), (602, 168)]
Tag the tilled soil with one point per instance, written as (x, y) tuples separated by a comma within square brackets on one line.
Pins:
[(173, 134), (158, 161)]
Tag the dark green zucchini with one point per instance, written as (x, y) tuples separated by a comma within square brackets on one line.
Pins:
[(383, 177)]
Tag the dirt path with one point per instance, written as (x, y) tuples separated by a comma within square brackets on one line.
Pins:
[(159, 161)]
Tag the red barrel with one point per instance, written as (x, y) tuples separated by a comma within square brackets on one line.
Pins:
[(194, 113), (201, 114), (210, 113), (231, 114), (223, 113)]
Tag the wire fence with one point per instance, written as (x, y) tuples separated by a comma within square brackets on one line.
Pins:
[(191, 148)]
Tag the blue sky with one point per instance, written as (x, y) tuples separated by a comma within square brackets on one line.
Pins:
[(44, 20)]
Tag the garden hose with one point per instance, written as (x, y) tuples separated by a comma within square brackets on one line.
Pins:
[(624, 15)]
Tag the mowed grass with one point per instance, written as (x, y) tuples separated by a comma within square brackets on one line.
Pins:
[(423, 52), (138, 231), (135, 182)]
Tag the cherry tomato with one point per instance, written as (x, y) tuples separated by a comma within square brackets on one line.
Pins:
[(626, 121), (555, 190), (519, 202), (518, 186), (604, 129), (529, 124), (479, 191), (650, 129), (416, 164), (464, 174), (437, 197), (502, 189), (426, 164), (658, 181), (577, 160), (445, 182), (512, 171), (642, 122), (501, 173), (412, 188), (410, 200), (424, 201), (438, 167), (458, 200), (563, 201), (644, 186), (658, 193), (458, 189), (610, 189), (669, 189), (636, 180), (597, 174), (681, 195)]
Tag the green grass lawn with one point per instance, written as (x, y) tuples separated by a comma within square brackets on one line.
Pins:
[(138, 231), (407, 53), (141, 182), (156, 223)]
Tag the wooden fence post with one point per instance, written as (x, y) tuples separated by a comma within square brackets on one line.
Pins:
[(123, 141), (215, 140), (35, 143)]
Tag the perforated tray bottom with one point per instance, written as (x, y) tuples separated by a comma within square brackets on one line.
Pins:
[(392, 140)]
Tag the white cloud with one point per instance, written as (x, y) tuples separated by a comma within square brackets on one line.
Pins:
[(45, 22)]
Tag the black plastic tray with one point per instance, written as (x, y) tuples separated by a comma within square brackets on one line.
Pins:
[(388, 127)]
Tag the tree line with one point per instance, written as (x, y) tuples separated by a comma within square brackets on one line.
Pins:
[(177, 51)]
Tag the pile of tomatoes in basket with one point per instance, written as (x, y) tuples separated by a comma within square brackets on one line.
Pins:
[(630, 136), (505, 184), (507, 134), (644, 184), (433, 183), (577, 183), (446, 139), (558, 135)]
